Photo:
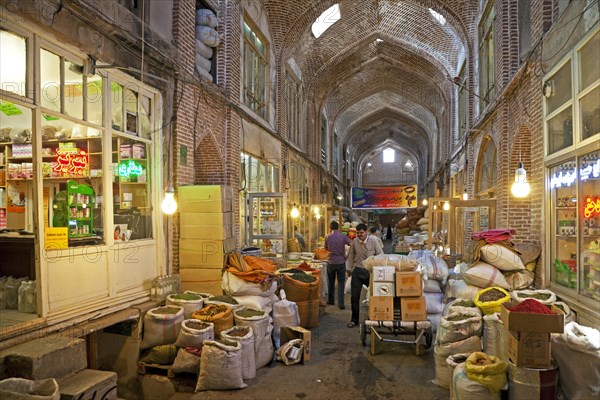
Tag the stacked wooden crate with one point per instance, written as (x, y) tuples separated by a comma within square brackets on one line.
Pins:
[(206, 235)]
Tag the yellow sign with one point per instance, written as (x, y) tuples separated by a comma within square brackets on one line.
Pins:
[(56, 238)]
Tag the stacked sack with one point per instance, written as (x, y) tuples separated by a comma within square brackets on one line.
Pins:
[(459, 332), (206, 38)]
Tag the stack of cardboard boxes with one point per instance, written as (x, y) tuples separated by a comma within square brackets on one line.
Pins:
[(206, 235), (396, 295), (528, 335)]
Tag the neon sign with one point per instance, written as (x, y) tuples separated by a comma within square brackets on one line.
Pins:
[(563, 179), (70, 161), (130, 168), (591, 170), (591, 207)]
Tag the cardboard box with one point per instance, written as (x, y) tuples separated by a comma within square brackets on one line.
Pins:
[(413, 308), (383, 289), (218, 226), (381, 308), (528, 349), (297, 332), (203, 280), (204, 253), (528, 322), (205, 199), (383, 274), (409, 284)]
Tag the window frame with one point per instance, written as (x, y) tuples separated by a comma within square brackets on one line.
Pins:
[(256, 100), (30, 45), (462, 99), (487, 57), (488, 192), (294, 101), (324, 137)]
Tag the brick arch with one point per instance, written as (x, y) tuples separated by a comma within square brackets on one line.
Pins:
[(209, 162), (482, 171)]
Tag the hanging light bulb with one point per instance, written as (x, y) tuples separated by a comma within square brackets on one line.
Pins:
[(340, 196), (465, 195), (424, 202), (294, 213), (446, 206), (435, 206), (316, 210), (520, 188), (169, 204), (318, 216)]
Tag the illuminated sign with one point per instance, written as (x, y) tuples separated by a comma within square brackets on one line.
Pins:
[(384, 197), (563, 179), (591, 170), (70, 161), (130, 168), (591, 207)]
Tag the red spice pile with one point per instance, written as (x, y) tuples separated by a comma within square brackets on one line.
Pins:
[(531, 306)]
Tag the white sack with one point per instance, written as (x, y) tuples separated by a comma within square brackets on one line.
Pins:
[(291, 352), (441, 353), (189, 306), (484, 275), (161, 328), (264, 353), (453, 361), (247, 343), (193, 332), (207, 35), (220, 366), (206, 17), (259, 302), (431, 286), (466, 389), (186, 362), (285, 313), (494, 337), (203, 50), (236, 286), (434, 267), (434, 302), (520, 295), (501, 257), (468, 325), (27, 297), (460, 289)]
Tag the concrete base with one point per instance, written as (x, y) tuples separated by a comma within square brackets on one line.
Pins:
[(51, 357), (89, 384)]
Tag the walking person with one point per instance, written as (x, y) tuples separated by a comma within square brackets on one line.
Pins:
[(336, 243), (373, 232), (361, 248)]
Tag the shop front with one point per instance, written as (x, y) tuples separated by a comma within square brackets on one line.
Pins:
[(572, 133), (79, 171)]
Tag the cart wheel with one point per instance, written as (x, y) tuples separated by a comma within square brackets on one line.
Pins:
[(363, 333), (428, 337)]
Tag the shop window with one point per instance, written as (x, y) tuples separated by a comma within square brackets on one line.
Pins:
[(487, 59), (255, 68), (13, 63), (589, 88), (50, 80), (524, 13), (486, 169)]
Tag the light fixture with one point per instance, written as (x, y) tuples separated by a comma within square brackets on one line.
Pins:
[(446, 205), (339, 196), (520, 188), (316, 210), (408, 164), (294, 213), (318, 216), (465, 195), (424, 202), (169, 204), (379, 40), (369, 164), (435, 206)]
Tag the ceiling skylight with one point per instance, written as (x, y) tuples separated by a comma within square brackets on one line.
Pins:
[(325, 20), (389, 156), (438, 17)]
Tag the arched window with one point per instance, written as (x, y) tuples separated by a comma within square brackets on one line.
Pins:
[(487, 169)]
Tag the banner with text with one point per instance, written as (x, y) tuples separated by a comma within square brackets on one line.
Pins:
[(384, 197)]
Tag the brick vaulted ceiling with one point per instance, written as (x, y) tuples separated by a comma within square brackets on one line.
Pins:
[(373, 91)]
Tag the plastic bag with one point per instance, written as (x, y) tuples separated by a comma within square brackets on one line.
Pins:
[(490, 307), (348, 285), (291, 352), (492, 374)]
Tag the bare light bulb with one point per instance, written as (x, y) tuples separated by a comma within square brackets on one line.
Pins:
[(520, 188), (294, 213), (318, 216), (316, 210), (446, 206), (424, 202), (465, 195), (169, 204)]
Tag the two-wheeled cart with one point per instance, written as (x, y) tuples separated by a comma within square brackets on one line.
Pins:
[(421, 331)]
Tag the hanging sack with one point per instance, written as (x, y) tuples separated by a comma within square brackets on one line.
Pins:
[(161, 326), (220, 366), (245, 336)]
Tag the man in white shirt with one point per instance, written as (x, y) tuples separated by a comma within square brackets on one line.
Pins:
[(361, 248)]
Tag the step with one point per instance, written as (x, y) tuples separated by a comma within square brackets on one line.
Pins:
[(89, 384), (49, 357)]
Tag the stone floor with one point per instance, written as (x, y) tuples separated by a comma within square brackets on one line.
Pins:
[(341, 368)]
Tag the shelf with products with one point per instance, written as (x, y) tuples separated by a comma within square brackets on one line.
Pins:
[(131, 167)]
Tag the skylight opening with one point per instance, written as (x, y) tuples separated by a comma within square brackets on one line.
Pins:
[(326, 20), (389, 156), (438, 17)]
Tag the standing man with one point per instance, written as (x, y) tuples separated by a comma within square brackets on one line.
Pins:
[(362, 247), (373, 233), (336, 243), (300, 239)]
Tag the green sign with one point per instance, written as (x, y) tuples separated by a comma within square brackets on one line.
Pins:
[(9, 108), (130, 168)]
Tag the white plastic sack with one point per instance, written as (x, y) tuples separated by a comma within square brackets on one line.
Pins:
[(501, 257), (435, 321), (434, 303), (402, 263), (203, 50), (569, 314), (25, 389), (161, 328), (431, 286), (189, 306), (441, 353), (247, 343), (494, 337), (458, 326), (518, 280), (220, 366), (235, 286), (484, 275), (11, 292), (348, 285), (264, 353), (291, 352), (285, 313), (577, 353), (434, 267), (466, 389), (186, 362), (204, 73), (193, 332), (206, 17), (460, 289), (27, 297), (520, 295), (207, 35), (259, 302), (258, 323), (453, 361)]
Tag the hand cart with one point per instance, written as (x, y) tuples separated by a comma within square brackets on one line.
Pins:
[(421, 330)]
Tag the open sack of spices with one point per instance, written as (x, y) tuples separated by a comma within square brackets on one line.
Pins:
[(488, 371), (219, 314), (490, 300)]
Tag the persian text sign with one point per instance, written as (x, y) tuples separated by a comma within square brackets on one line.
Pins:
[(384, 197)]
